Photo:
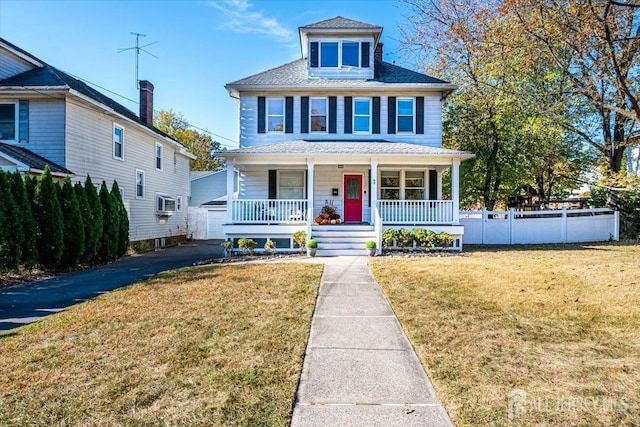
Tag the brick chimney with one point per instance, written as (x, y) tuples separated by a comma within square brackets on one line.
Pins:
[(146, 102), (377, 54)]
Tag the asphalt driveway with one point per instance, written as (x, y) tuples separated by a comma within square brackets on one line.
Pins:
[(27, 303)]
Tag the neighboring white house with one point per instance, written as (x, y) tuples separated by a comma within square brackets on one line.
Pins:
[(50, 117), (339, 126)]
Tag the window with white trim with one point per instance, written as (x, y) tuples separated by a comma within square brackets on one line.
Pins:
[(118, 142), (275, 114), (414, 185), (362, 115), (318, 114), (158, 153), (337, 53), (165, 204), (179, 203), (350, 54), (9, 121), (139, 184), (329, 54), (406, 115), (291, 184), (390, 185)]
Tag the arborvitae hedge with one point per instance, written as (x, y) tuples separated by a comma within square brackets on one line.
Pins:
[(46, 209), (123, 223), (73, 225), (92, 245), (11, 235), (110, 225), (29, 256), (85, 211)]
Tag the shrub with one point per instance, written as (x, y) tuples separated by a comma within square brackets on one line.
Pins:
[(300, 239), (85, 211), (73, 225), (269, 246), (444, 240), (312, 244), (404, 238), (94, 237), (141, 246), (29, 255), (388, 237), (621, 193), (247, 245), (110, 224), (46, 210), (370, 244), (420, 235), (123, 217), (228, 246), (11, 235)]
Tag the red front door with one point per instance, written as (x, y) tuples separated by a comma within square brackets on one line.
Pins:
[(353, 198)]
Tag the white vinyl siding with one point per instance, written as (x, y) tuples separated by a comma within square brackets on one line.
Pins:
[(11, 65), (249, 127)]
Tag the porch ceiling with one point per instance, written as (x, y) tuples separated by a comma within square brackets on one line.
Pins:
[(347, 152)]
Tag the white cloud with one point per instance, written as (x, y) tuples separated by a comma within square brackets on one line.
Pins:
[(241, 19)]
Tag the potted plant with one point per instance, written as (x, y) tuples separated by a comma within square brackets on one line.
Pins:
[(300, 237), (371, 246), (269, 246), (312, 247), (228, 247)]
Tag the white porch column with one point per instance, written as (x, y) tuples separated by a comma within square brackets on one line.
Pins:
[(310, 182), (373, 191), (455, 190), (230, 188)]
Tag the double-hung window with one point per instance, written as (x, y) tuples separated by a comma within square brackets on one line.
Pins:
[(414, 185), (406, 115), (8, 121), (291, 184), (118, 142), (362, 115), (390, 185), (318, 114), (275, 114), (158, 156), (139, 184)]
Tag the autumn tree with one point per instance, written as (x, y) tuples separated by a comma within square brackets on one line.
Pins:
[(199, 144)]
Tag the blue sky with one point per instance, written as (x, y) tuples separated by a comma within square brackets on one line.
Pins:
[(201, 45)]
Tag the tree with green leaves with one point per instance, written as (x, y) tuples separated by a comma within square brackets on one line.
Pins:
[(199, 144), (94, 237), (123, 220), (73, 226), (110, 225), (11, 235), (46, 209), (28, 245), (85, 212)]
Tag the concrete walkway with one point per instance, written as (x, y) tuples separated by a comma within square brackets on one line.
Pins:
[(360, 369)]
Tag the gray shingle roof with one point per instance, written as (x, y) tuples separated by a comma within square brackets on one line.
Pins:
[(340, 22), (31, 159), (344, 148), (295, 74)]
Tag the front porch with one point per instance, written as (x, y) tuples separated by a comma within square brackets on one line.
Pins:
[(279, 195)]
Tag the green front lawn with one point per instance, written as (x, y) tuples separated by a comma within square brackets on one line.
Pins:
[(553, 331), (195, 347)]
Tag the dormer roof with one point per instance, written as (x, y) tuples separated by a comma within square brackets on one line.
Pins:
[(338, 26)]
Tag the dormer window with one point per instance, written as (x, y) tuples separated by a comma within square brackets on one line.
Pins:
[(339, 54)]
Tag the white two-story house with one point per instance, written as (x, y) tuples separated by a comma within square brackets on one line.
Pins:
[(48, 117), (339, 126)]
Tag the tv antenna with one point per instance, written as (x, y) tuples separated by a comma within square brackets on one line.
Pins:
[(138, 48)]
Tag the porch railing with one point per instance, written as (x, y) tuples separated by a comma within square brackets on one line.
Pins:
[(269, 211), (416, 211)]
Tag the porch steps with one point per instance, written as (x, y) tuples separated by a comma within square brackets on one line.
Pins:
[(342, 239)]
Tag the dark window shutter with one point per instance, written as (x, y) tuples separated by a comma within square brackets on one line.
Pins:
[(304, 114), (420, 115), (433, 185), (348, 105), (333, 118), (376, 115), (273, 184), (23, 120), (262, 109), (313, 54), (392, 115), (364, 53), (288, 119)]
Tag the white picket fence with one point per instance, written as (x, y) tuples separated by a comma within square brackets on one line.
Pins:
[(554, 226)]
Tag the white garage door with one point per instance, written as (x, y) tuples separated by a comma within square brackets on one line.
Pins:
[(215, 218)]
